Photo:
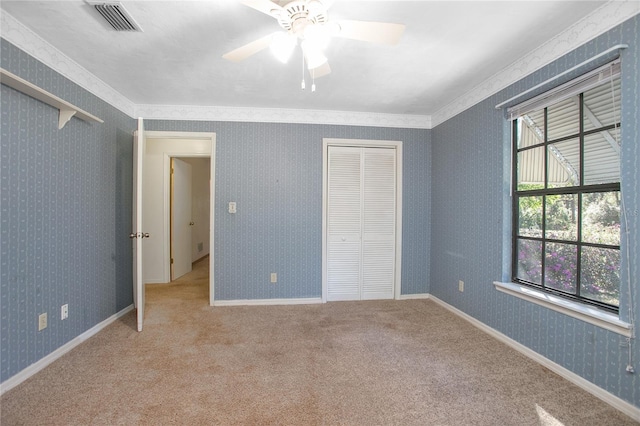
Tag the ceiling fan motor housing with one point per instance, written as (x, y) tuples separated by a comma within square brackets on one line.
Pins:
[(299, 14)]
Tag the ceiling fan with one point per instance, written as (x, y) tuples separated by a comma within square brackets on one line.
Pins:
[(307, 21)]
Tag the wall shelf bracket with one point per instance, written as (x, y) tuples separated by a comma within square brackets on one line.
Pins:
[(66, 109), (65, 116)]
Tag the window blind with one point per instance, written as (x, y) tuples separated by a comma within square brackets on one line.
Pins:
[(581, 84)]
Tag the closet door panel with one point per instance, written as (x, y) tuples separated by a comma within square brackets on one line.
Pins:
[(379, 223), (344, 224)]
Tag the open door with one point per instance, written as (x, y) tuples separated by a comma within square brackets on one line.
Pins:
[(181, 218), (137, 233)]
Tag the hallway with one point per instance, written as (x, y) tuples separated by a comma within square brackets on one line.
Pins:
[(171, 303)]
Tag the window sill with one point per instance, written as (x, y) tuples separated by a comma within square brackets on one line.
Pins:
[(582, 312)]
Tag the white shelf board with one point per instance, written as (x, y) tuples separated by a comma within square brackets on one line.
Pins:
[(67, 110)]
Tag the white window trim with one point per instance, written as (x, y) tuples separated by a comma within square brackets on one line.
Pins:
[(573, 309)]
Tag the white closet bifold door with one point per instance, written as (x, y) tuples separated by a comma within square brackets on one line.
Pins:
[(361, 223)]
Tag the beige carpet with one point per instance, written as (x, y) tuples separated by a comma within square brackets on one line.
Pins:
[(352, 363)]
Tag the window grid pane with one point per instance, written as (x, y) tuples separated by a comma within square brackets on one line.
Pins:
[(530, 217), (600, 273), (530, 261), (561, 217), (561, 267), (601, 218), (563, 163)]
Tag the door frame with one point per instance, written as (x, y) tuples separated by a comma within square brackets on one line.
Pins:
[(137, 232), (178, 152), (362, 143)]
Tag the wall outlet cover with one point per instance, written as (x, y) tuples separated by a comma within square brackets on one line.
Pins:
[(42, 321)]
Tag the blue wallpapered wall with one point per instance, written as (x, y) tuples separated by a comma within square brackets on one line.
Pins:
[(65, 215), (471, 226), (65, 203), (274, 173)]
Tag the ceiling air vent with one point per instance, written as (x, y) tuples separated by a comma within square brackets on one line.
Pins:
[(117, 16)]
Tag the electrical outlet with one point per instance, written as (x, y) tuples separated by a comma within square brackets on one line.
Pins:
[(461, 286), (42, 321), (274, 277), (64, 311)]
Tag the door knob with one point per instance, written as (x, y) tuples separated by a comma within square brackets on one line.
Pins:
[(139, 235), (191, 223)]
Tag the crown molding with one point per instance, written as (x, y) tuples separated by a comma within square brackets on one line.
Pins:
[(600, 21), (281, 115), (603, 19), (22, 37)]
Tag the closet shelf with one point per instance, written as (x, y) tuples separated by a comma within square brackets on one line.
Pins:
[(67, 110)]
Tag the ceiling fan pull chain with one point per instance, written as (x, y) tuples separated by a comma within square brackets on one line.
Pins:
[(303, 85), (313, 80)]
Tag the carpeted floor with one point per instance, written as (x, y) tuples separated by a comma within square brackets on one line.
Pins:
[(351, 363)]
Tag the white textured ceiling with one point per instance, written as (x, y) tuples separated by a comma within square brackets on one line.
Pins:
[(448, 48)]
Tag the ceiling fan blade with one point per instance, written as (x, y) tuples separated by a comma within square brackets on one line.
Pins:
[(324, 4), (243, 52), (327, 3), (321, 71), (264, 6), (375, 32)]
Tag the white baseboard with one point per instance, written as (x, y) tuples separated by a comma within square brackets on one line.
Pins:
[(23, 375), (255, 302), (414, 296), (616, 402)]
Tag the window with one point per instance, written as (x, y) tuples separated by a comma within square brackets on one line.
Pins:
[(566, 180)]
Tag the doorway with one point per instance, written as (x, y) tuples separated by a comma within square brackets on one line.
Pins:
[(160, 149), (189, 213)]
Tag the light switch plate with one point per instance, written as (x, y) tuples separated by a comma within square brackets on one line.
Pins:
[(232, 206)]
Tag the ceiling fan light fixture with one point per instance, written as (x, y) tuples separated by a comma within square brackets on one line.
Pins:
[(317, 35), (282, 46), (313, 55)]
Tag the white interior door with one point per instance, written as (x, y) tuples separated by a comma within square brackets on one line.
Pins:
[(181, 218), (137, 233), (361, 223)]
